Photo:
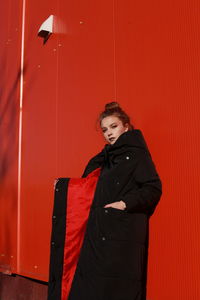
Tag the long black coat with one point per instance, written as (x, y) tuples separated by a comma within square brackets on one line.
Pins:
[(112, 262)]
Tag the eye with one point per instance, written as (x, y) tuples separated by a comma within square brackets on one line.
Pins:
[(114, 126), (104, 130)]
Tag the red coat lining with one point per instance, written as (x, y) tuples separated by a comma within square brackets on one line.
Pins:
[(79, 199)]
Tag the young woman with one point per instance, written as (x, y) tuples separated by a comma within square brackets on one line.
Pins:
[(104, 255)]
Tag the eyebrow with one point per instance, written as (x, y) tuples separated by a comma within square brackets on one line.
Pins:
[(109, 125)]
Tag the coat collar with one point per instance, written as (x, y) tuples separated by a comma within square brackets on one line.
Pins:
[(127, 141), (130, 138)]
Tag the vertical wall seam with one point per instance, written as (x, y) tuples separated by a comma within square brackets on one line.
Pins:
[(20, 136), (114, 52), (57, 82)]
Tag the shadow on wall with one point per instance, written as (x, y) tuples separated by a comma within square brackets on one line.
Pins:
[(9, 118)]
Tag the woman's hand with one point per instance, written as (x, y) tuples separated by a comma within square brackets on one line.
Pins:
[(55, 181), (118, 205)]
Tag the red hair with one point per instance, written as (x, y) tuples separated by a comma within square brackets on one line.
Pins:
[(114, 109)]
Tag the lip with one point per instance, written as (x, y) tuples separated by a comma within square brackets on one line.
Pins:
[(111, 139)]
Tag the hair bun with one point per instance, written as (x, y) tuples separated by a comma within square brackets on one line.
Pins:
[(111, 105)]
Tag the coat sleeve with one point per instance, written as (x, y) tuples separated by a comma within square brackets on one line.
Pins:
[(94, 163), (89, 168), (147, 195), (86, 171)]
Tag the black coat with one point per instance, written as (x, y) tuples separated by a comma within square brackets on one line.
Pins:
[(112, 262)]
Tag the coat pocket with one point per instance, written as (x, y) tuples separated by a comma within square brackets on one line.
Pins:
[(115, 224), (115, 212)]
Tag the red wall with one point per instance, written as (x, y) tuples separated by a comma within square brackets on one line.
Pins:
[(10, 53), (145, 54)]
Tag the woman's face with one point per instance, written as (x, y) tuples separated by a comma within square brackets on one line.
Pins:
[(112, 127)]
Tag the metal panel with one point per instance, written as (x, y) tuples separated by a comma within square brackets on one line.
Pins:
[(145, 55), (10, 55), (157, 65), (38, 166)]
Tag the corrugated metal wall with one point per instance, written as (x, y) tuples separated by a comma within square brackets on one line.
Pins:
[(145, 54)]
